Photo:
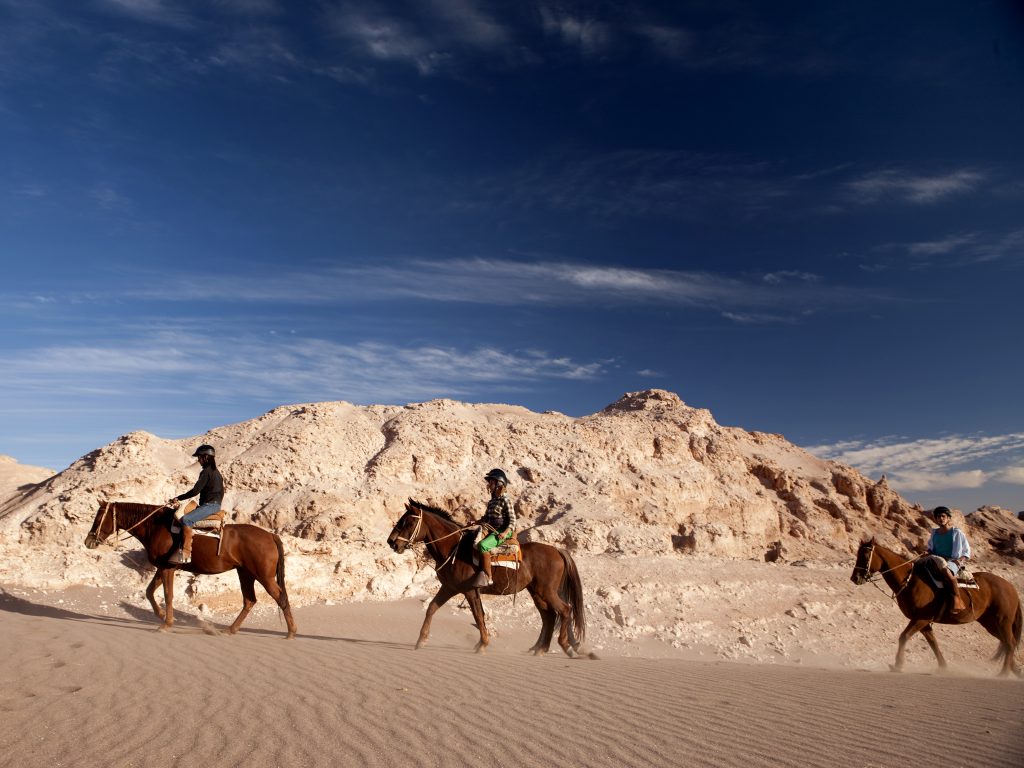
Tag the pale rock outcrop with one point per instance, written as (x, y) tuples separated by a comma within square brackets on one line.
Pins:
[(648, 475)]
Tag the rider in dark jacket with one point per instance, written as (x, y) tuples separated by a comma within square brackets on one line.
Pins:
[(498, 523), (210, 489)]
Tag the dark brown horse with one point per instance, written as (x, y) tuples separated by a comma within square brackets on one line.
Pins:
[(256, 554), (548, 573), (994, 604)]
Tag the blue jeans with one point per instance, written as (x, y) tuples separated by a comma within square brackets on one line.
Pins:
[(199, 513)]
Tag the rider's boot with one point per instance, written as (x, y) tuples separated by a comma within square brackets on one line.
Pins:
[(958, 599), (184, 555), (484, 578)]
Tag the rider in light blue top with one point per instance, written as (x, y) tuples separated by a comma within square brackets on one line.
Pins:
[(950, 550)]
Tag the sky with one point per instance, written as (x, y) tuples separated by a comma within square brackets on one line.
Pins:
[(806, 217)]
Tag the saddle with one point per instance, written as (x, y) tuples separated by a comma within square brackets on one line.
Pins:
[(925, 569), (507, 555), (208, 526)]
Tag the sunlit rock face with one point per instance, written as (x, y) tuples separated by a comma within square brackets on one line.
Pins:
[(646, 475)]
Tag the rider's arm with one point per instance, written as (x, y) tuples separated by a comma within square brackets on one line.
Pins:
[(204, 477), (931, 541), (961, 547)]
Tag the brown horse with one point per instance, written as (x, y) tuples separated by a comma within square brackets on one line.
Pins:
[(256, 554), (994, 604), (548, 573)]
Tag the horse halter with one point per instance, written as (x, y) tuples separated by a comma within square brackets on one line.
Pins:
[(412, 539), (866, 568), (103, 518)]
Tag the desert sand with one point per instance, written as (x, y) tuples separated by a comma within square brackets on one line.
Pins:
[(85, 680), (715, 564)]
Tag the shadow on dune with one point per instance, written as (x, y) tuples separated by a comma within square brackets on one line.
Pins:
[(14, 604)]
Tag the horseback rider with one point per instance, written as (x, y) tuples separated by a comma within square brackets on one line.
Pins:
[(210, 489), (498, 522), (949, 550)]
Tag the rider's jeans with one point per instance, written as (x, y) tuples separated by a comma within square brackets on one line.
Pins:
[(199, 513)]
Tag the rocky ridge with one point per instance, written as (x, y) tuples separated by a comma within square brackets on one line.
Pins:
[(647, 479)]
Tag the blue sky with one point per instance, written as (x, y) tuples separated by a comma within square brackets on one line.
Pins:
[(804, 216)]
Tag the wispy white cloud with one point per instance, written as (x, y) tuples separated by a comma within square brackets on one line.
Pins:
[(961, 249), (1013, 475), (913, 187), (951, 462), (589, 35), (151, 11), (428, 36), (178, 363), (559, 283)]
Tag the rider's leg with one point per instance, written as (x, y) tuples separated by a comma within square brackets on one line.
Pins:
[(484, 577), (958, 599)]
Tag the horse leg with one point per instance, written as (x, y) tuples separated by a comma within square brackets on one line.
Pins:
[(248, 584), (151, 595), (929, 635), (1003, 632), (444, 594), (476, 605), (558, 607), (915, 626), (281, 598), (547, 626), (167, 575)]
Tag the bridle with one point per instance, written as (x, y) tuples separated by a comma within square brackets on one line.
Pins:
[(428, 541), (874, 582), (107, 505), (412, 539)]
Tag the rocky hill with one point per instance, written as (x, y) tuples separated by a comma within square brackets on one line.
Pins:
[(647, 476)]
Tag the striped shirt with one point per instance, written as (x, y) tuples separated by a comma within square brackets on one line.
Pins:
[(499, 515)]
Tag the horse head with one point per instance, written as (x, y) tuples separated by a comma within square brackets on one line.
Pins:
[(865, 565), (103, 525), (407, 529)]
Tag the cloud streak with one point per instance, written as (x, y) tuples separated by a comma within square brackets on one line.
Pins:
[(184, 364), (787, 294), (930, 464), (914, 188)]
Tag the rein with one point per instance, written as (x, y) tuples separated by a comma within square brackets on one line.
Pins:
[(874, 582), (411, 540), (106, 507)]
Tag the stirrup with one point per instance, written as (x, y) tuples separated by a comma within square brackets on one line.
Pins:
[(178, 558), (481, 580)]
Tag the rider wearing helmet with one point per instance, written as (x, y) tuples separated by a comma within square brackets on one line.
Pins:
[(210, 489), (949, 550), (498, 523)]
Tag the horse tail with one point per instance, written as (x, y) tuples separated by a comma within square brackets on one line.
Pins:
[(280, 571), (1018, 622), (572, 591)]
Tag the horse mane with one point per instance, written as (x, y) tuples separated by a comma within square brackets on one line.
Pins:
[(433, 510), (134, 507)]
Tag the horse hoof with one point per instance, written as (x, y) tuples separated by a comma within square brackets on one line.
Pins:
[(164, 628), (894, 668)]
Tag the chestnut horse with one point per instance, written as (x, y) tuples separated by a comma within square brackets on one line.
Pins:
[(547, 573), (994, 604), (256, 554)]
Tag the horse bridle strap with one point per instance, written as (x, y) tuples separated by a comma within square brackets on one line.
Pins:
[(106, 507), (896, 592)]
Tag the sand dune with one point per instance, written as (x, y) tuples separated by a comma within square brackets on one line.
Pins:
[(85, 680)]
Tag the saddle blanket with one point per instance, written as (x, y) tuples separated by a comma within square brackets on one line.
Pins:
[(508, 555)]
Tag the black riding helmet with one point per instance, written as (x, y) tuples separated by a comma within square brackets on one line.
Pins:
[(941, 511), (496, 474), (205, 450)]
